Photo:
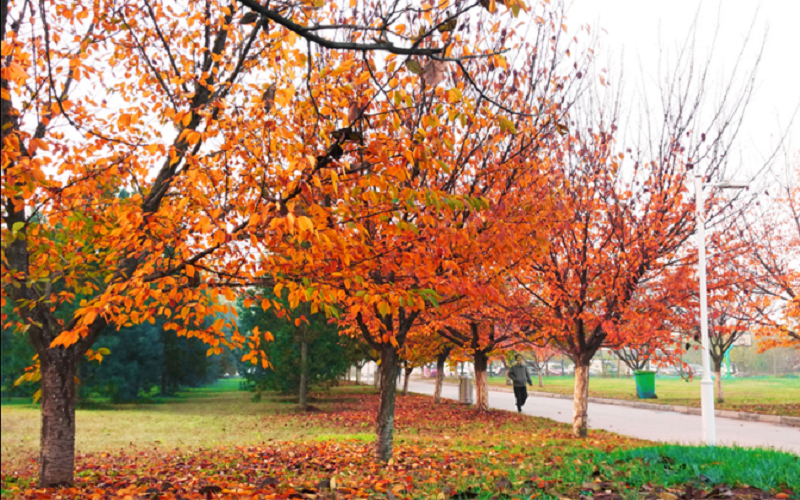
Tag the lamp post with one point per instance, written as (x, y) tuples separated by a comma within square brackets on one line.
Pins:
[(706, 384)]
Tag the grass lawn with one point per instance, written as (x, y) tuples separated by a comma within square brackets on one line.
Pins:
[(770, 395), (216, 443)]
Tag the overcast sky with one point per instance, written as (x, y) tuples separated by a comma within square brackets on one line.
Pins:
[(640, 28)]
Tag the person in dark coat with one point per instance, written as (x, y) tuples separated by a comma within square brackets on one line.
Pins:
[(519, 375)]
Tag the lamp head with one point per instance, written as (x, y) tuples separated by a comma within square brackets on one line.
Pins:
[(731, 185)]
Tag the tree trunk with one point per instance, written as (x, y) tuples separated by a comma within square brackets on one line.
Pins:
[(303, 373), (539, 371), (580, 408), (440, 360), (358, 374), (385, 422), (405, 380), (718, 380), (481, 360), (57, 453), (376, 377)]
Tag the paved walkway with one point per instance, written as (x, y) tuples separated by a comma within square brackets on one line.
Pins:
[(665, 426)]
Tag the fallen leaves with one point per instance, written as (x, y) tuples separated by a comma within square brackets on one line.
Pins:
[(491, 454)]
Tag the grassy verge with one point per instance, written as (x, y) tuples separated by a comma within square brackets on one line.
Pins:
[(216, 443), (767, 395)]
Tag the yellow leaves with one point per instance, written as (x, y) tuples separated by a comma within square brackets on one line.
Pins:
[(89, 317), (277, 289), (219, 324), (124, 121), (193, 137), (305, 223), (507, 125), (15, 72), (343, 68), (36, 144), (335, 182)]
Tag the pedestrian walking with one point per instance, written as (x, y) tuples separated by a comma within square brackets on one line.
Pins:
[(519, 375)]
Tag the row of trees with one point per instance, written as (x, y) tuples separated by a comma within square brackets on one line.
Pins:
[(125, 366), (426, 177)]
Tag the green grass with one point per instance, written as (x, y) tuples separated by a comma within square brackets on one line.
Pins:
[(771, 395), (216, 415), (671, 465)]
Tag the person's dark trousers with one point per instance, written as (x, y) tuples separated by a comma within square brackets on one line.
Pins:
[(521, 393)]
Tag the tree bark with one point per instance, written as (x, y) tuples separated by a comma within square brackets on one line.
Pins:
[(376, 377), (718, 380), (358, 374), (441, 358), (303, 373), (57, 449), (385, 421), (539, 372), (481, 360), (405, 380), (580, 408)]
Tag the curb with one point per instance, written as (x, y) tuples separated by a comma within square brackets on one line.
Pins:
[(688, 410)]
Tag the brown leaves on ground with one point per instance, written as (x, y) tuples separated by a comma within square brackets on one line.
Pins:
[(445, 449)]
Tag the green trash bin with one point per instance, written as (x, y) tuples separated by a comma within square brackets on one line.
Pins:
[(645, 384)]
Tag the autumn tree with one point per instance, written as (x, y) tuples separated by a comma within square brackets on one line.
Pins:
[(218, 119), (478, 335), (458, 150), (627, 212), (734, 305), (540, 356), (772, 232)]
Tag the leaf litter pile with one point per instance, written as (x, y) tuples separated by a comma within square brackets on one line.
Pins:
[(441, 452)]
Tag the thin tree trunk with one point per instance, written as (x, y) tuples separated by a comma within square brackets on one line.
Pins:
[(405, 380), (303, 372), (57, 452), (481, 381), (718, 381), (385, 422), (441, 358), (580, 408), (541, 383), (358, 374), (376, 377)]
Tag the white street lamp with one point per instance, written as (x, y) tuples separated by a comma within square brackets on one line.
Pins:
[(706, 384)]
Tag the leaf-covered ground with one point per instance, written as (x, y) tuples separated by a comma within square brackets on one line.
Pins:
[(442, 452)]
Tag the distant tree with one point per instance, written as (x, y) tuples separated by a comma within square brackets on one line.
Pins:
[(17, 354), (326, 353), (773, 235), (135, 364)]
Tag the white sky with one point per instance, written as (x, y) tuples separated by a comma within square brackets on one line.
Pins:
[(635, 31)]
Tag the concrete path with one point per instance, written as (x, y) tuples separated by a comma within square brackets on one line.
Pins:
[(665, 426)]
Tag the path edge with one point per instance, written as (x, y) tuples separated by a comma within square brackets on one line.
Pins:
[(687, 410)]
